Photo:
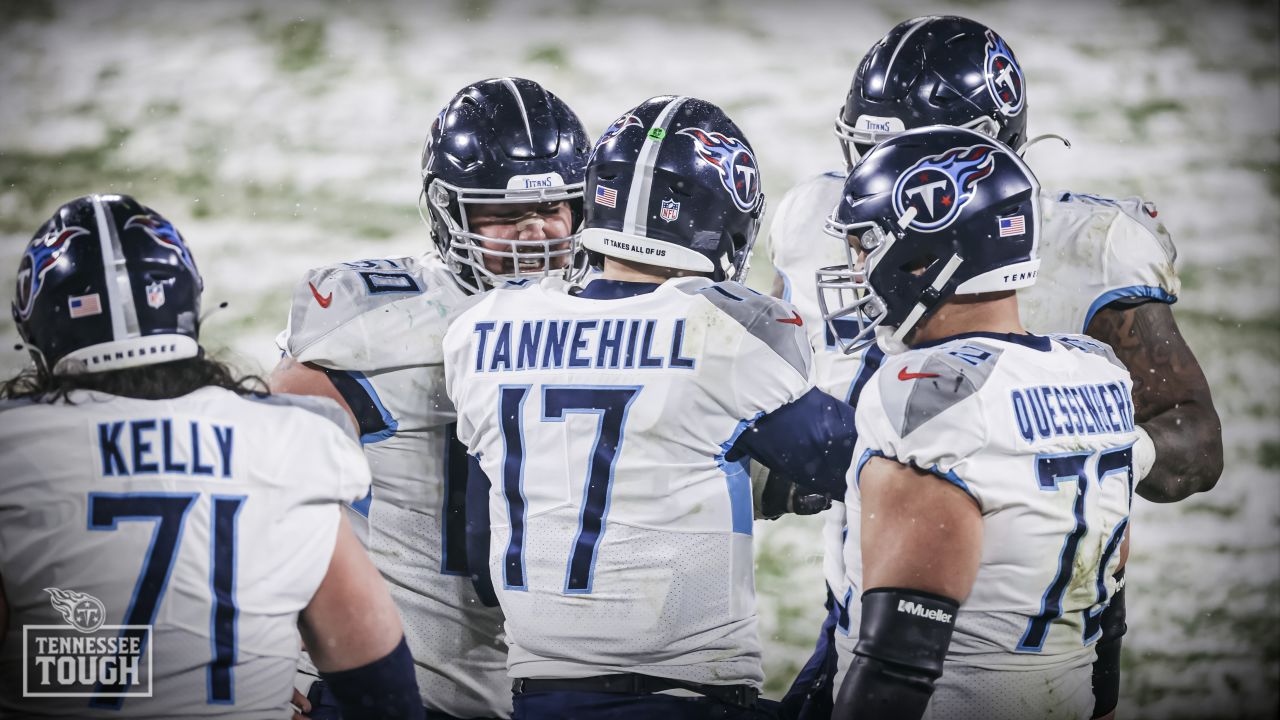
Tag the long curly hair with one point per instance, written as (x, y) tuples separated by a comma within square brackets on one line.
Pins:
[(148, 382)]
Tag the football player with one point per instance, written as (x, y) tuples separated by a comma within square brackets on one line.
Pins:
[(1108, 267), (502, 176), (142, 485), (994, 470), (616, 422)]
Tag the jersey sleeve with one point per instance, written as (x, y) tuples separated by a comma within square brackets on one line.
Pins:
[(798, 246), (376, 329), (1141, 255), (324, 439), (773, 363), (924, 409), (371, 315), (1138, 255), (458, 361)]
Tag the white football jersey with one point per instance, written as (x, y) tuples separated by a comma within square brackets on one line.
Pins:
[(211, 517), (377, 328), (1038, 431), (621, 535), (1094, 251)]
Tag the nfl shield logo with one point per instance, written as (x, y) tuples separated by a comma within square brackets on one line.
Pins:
[(670, 210), (155, 294)]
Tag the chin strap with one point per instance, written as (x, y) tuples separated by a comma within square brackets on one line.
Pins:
[(929, 298)]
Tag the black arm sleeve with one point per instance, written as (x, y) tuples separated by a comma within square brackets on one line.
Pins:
[(808, 442), (902, 643), (381, 690), (478, 532), (1106, 669)]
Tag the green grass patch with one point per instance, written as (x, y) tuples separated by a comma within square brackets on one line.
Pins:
[(1141, 114), (1269, 454), (474, 9), (301, 45), (552, 55), (1222, 511), (15, 11)]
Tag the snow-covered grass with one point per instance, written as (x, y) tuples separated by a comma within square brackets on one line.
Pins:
[(282, 135)]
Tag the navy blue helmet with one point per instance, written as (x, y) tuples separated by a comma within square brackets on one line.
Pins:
[(504, 140), (937, 211), (107, 283), (935, 70), (674, 183)]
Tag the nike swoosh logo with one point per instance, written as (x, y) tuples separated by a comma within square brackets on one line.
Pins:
[(904, 375), (324, 300), (796, 320)]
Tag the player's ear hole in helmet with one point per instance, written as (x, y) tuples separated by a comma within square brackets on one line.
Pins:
[(108, 297), (505, 142), (934, 70), (928, 214), (674, 183)]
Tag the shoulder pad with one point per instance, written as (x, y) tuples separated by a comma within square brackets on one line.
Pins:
[(372, 314), (772, 321), (1086, 344), (324, 407), (919, 385), (1130, 210), (796, 240), (809, 200)]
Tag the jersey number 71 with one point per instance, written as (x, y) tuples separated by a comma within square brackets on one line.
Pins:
[(169, 513)]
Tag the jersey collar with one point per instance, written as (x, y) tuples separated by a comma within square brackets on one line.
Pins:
[(602, 289), (1035, 342)]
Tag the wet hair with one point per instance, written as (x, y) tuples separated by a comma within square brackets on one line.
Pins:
[(148, 382)]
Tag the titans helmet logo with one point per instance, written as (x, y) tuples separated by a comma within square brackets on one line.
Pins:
[(733, 159), (614, 130), (164, 234), (41, 255), (1004, 78), (937, 187)]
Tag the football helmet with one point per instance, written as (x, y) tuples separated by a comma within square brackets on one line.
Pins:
[(673, 182), (937, 211), (934, 70), (105, 284), (504, 140)]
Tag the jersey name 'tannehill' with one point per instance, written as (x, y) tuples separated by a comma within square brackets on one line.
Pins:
[(621, 534)]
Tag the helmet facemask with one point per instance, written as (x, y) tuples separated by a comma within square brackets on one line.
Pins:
[(847, 293), (844, 291), (465, 251)]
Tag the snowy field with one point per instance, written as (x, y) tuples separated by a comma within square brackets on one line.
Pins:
[(282, 135)]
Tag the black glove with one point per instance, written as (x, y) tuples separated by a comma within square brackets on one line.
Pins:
[(781, 496)]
